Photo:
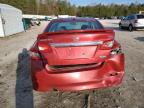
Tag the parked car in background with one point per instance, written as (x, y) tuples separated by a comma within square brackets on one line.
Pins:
[(132, 22), (35, 21), (76, 54), (120, 17)]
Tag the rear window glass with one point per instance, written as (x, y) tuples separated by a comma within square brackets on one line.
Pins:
[(61, 26), (140, 16)]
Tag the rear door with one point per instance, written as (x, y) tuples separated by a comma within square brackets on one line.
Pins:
[(128, 21), (125, 21)]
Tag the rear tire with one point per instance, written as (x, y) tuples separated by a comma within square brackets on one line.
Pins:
[(130, 28)]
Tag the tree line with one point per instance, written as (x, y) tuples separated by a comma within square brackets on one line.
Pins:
[(57, 7), (101, 10)]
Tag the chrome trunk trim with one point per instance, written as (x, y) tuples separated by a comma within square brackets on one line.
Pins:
[(75, 44)]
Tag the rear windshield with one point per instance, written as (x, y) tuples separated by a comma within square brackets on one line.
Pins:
[(61, 26), (140, 16)]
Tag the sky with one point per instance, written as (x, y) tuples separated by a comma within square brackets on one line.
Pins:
[(92, 2)]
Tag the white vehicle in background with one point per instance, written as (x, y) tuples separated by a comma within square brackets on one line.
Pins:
[(63, 16), (132, 22), (97, 18), (35, 21)]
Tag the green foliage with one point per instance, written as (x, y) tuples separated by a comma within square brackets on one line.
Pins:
[(27, 6), (55, 7), (100, 10)]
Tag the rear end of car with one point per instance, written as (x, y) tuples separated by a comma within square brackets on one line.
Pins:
[(139, 22), (73, 60)]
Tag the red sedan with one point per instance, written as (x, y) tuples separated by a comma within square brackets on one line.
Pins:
[(76, 54)]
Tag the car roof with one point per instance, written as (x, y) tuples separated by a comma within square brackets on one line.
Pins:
[(73, 19)]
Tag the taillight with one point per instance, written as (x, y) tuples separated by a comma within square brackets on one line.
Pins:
[(44, 46), (136, 21), (107, 45)]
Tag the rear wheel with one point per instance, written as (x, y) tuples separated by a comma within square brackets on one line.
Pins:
[(130, 28)]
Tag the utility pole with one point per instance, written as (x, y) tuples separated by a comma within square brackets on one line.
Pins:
[(38, 6)]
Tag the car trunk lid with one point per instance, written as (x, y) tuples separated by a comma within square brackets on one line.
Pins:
[(69, 48)]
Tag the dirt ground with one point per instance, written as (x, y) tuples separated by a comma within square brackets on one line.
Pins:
[(16, 87)]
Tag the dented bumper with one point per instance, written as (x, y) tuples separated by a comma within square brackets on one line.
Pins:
[(109, 73)]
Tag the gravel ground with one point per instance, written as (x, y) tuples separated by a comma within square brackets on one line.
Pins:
[(15, 82)]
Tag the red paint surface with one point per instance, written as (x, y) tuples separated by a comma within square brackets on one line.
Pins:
[(109, 70), (79, 80)]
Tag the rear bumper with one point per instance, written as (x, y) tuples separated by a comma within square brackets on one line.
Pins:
[(142, 27), (108, 74), (139, 26)]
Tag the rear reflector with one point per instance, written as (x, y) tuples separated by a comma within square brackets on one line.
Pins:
[(34, 55), (34, 52)]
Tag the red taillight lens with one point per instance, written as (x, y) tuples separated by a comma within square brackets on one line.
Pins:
[(107, 45), (44, 46)]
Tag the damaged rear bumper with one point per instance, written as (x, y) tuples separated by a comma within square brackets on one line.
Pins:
[(110, 73)]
